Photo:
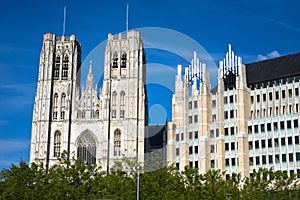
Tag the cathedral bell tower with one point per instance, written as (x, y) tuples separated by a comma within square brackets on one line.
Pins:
[(58, 78), (124, 96)]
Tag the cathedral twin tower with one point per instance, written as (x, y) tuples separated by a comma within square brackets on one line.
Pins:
[(97, 129)]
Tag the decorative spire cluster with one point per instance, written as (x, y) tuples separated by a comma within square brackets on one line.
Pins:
[(231, 64)]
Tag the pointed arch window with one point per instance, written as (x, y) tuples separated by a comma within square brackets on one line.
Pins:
[(115, 61), (56, 67), (79, 114), (97, 114), (55, 104), (123, 60), (65, 68), (122, 104), (114, 105), (55, 100), (57, 143), (63, 104), (86, 148), (117, 143), (63, 100)]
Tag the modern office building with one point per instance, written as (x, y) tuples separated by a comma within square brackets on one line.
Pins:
[(249, 120)]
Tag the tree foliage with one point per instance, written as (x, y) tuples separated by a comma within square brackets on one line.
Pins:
[(75, 180)]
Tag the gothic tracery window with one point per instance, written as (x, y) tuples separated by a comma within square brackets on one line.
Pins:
[(56, 67), (63, 104), (63, 100), (55, 104), (114, 105), (65, 68), (97, 114), (123, 60), (122, 104), (86, 148), (115, 61), (117, 143), (57, 143)]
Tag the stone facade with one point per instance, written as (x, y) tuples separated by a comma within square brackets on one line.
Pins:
[(97, 125)]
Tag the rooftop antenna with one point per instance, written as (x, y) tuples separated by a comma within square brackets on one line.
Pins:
[(127, 10), (64, 23)]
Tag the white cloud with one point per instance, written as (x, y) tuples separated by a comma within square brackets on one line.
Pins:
[(270, 55), (10, 145)]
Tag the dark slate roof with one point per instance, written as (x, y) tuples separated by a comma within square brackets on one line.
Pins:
[(272, 69)]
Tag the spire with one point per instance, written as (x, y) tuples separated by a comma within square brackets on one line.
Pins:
[(127, 10), (64, 22), (90, 77)]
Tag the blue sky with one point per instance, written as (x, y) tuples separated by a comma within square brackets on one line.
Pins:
[(256, 29)]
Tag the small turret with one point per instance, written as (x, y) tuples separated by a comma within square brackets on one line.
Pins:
[(90, 77)]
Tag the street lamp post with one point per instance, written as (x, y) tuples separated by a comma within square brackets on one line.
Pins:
[(138, 183)]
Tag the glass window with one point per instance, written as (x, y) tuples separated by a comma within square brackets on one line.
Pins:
[(195, 118), (115, 61), (264, 160), (290, 140), (295, 123), (269, 126), (231, 98), (86, 148), (256, 128), (226, 131), (190, 135), (270, 96), (281, 125), (257, 160), (190, 119), (190, 150), (283, 93), (283, 158), (289, 124), (117, 143), (196, 134), (262, 128), (291, 158), (270, 159), (227, 162), (190, 105), (226, 146), (231, 114), (113, 105), (57, 143), (250, 145), (123, 60), (122, 104), (195, 104), (196, 149), (297, 139), (277, 94)]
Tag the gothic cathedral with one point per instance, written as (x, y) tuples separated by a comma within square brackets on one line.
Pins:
[(97, 125)]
